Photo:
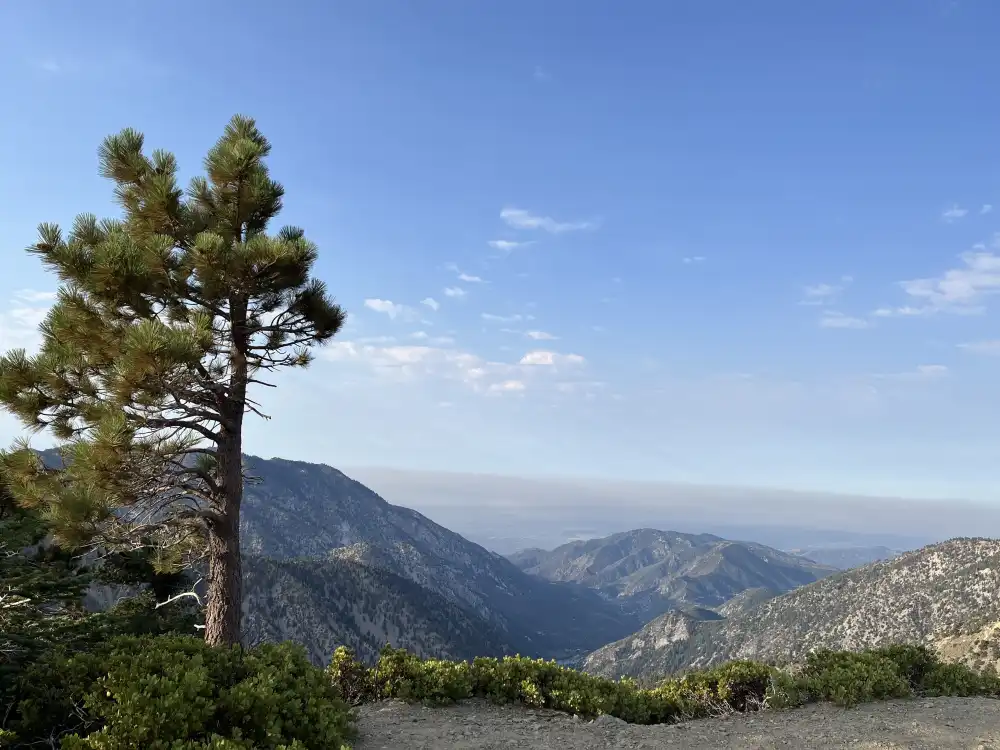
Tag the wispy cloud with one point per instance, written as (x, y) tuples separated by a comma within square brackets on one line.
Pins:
[(960, 290), (430, 302), (689, 259), (522, 219), (508, 386), (823, 294), (990, 347), (454, 291), (25, 313), (514, 318), (549, 359), (508, 245), (541, 74), (540, 336), (953, 213), (986, 209), (834, 319), (432, 340), (389, 308), (431, 360), (462, 275)]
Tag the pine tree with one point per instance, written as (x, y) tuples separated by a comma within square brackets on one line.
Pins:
[(164, 320)]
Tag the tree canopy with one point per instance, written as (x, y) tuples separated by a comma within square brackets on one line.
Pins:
[(165, 319)]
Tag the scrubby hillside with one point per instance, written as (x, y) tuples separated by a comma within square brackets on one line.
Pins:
[(323, 604), (942, 595)]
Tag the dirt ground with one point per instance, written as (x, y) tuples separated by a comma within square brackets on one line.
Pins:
[(920, 724)]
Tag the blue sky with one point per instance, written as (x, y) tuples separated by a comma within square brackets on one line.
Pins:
[(720, 242)]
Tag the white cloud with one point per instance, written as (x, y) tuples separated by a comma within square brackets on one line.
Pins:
[(508, 245), (693, 259), (431, 361), (822, 294), (430, 302), (432, 340), (900, 312), (542, 75), (549, 359), (540, 336), (991, 347), (389, 308), (986, 209), (469, 278), (508, 386), (19, 323), (454, 291), (515, 318), (521, 219), (834, 319), (958, 290), (33, 295), (954, 213)]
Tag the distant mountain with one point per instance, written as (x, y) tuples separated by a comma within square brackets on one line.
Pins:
[(323, 604), (946, 595), (293, 509), (846, 557), (655, 571)]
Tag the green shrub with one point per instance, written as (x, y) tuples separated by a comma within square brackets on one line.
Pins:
[(844, 678), (176, 693), (847, 678), (959, 680)]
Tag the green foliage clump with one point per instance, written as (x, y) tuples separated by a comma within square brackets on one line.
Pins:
[(850, 678), (171, 692), (538, 683), (844, 678)]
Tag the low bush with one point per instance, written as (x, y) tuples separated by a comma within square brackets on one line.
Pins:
[(176, 693), (844, 678)]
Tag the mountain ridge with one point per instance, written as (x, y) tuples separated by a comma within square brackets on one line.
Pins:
[(651, 570), (932, 595)]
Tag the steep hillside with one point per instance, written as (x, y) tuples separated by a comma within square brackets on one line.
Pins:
[(845, 558), (323, 604), (654, 571), (293, 509), (946, 595), (744, 601)]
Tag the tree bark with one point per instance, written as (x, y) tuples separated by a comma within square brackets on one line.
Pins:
[(224, 605)]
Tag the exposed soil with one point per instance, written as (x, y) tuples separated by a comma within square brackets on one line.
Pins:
[(920, 724)]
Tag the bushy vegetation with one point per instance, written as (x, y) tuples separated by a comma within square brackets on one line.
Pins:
[(843, 678), (135, 676), (174, 691)]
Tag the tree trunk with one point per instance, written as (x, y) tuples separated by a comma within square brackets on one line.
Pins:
[(224, 608)]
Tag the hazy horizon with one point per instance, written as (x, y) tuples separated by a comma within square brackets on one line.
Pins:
[(506, 513)]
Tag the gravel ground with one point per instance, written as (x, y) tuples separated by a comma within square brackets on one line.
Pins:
[(928, 723)]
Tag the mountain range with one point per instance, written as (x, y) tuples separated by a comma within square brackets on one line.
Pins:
[(652, 571), (294, 510), (946, 596), (328, 562)]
